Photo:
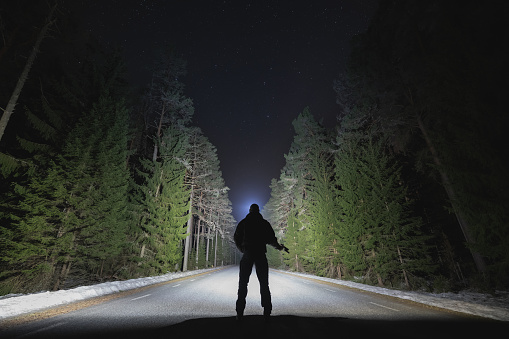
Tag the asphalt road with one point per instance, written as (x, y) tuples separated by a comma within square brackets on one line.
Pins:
[(204, 307)]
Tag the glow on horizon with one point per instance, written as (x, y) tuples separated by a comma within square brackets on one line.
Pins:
[(241, 209)]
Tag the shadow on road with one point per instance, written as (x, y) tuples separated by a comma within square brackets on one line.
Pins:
[(287, 326), (291, 327)]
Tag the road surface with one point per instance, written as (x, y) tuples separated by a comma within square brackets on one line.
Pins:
[(204, 307)]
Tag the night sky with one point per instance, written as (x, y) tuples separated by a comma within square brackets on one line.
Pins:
[(252, 66)]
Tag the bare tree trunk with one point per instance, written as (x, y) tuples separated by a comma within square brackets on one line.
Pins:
[(9, 110), (57, 282), (198, 242), (407, 283), (222, 246), (189, 228), (142, 253), (101, 271), (208, 247), (465, 228), (66, 267), (215, 252)]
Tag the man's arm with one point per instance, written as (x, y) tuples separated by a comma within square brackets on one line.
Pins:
[(272, 240), (280, 247), (238, 237)]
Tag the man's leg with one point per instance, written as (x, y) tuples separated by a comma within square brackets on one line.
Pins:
[(262, 272), (246, 266)]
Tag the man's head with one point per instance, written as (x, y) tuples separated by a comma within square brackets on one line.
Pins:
[(254, 208)]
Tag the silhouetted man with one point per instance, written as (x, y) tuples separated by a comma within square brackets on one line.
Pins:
[(252, 235)]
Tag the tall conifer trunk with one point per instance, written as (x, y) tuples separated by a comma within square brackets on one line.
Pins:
[(215, 251), (208, 247), (9, 110), (189, 228), (465, 227)]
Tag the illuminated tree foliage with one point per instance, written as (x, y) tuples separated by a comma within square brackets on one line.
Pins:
[(100, 202), (419, 129), (352, 216), (183, 205), (379, 234), (211, 214), (164, 205), (82, 205), (302, 203)]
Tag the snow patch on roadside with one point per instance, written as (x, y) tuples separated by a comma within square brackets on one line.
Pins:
[(17, 304), (479, 304)]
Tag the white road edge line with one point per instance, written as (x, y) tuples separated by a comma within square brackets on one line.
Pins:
[(42, 329), (387, 307), (143, 296)]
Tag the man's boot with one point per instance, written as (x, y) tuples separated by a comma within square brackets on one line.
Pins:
[(266, 313), (240, 315)]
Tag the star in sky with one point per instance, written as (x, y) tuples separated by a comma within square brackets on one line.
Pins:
[(252, 68)]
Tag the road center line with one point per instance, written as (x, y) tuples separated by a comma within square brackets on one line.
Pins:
[(176, 285), (143, 296), (392, 309), (330, 290)]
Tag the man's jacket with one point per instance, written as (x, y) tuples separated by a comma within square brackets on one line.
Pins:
[(253, 233)]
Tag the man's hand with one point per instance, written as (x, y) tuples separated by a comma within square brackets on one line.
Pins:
[(283, 247)]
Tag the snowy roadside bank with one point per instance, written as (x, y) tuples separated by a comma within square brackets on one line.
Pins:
[(11, 306), (479, 304)]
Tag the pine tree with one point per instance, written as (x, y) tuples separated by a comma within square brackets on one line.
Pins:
[(323, 212), (379, 235), (297, 239), (436, 97), (400, 249), (37, 239), (177, 194), (303, 196), (82, 205), (165, 204), (210, 199), (351, 228), (105, 238)]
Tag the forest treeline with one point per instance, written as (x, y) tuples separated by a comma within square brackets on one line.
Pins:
[(410, 189), (100, 180), (103, 181)]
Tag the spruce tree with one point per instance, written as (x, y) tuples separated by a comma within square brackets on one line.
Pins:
[(37, 239), (165, 204), (104, 239), (438, 100), (351, 228), (323, 212), (304, 196), (298, 241), (380, 234), (81, 213)]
